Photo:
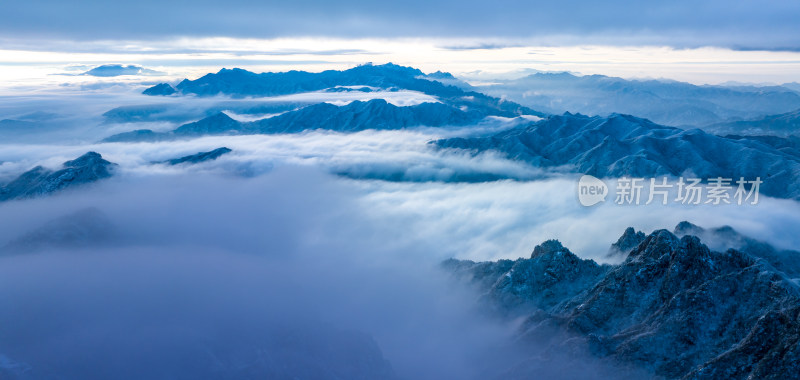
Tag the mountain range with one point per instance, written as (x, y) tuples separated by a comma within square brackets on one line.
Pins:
[(242, 83), (355, 116), (624, 145), (662, 101), (673, 307), (785, 124)]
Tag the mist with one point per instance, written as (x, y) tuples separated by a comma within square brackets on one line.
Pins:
[(206, 272), (208, 268)]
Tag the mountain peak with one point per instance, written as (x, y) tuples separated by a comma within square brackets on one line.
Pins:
[(162, 89), (88, 158), (39, 181), (724, 311), (629, 240), (655, 245), (686, 228), (548, 247)]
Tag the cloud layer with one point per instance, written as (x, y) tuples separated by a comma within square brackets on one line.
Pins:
[(748, 24)]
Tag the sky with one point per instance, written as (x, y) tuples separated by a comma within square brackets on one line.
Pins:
[(742, 24), (700, 42)]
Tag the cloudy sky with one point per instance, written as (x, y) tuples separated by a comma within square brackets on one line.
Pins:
[(702, 42), (740, 24)]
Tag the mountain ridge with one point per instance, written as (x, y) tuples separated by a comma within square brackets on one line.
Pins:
[(624, 145), (242, 83), (673, 307), (355, 116), (40, 181), (663, 101)]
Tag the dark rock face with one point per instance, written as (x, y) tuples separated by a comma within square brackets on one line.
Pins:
[(199, 157), (673, 307), (39, 181), (622, 145)]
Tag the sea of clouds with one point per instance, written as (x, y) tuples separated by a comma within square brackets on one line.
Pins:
[(290, 233)]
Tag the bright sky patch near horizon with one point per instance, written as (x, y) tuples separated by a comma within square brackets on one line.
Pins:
[(474, 61)]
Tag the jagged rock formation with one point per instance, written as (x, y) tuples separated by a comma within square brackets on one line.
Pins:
[(40, 181), (673, 307), (725, 237), (623, 145), (199, 157), (629, 240), (551, 275)]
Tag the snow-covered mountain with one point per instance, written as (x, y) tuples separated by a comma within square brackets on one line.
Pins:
[(40, 181), (784, 124), (623, 145), (674, 307), (243, 83), (355, 116), (665, 102)]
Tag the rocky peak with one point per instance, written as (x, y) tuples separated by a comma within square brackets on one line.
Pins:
[(674, 307), (548, 247), (655, 245), (629, 240)]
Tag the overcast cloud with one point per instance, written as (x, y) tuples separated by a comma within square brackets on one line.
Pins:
[(683, 23)]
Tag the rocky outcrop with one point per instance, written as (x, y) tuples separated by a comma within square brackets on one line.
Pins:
[(674, 307)]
